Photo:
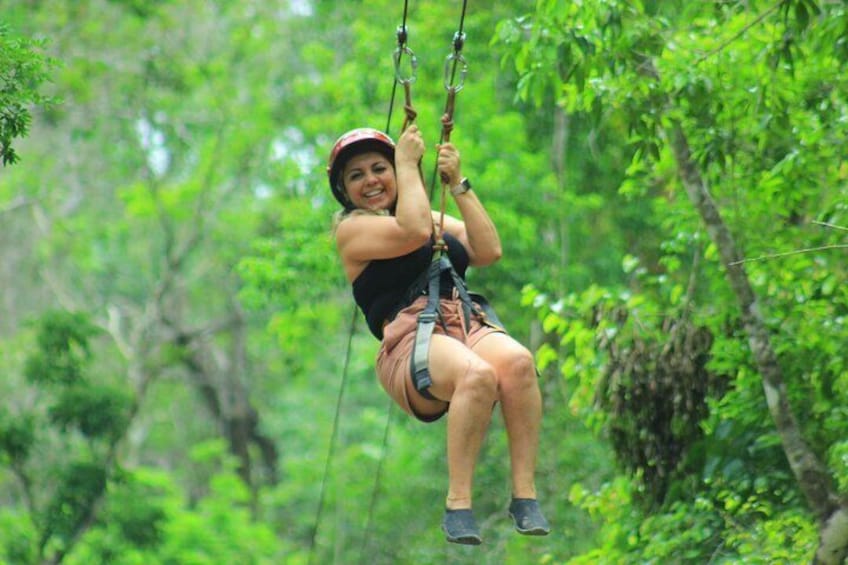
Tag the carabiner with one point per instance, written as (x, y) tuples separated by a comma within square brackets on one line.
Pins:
[(451, 62), (413, 63)]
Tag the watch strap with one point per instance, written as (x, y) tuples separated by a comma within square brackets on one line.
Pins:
[(463, 187)]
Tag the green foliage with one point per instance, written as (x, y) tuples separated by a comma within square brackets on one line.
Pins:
[(760, 127), (77, 480), (297, 264), (717, 524), (80, 485), (838, 459), (141, 8), (60, 362), (96, 411), (63, 349), (17, 436), (639, 378), (180, 193), (134, 509), (17, 537), (149, 519), (221, 528), (23, 67)]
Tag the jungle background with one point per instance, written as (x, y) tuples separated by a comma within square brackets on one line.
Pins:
[(185, 378)]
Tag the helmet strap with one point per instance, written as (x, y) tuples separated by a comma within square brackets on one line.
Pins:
[(340, 189)]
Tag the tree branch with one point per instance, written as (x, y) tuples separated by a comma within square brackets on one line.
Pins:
[(18, 202), (788, 253), (740, 33), (829, 225)]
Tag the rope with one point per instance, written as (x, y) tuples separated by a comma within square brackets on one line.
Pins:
[(410, 115), (453, 62), (376, 489), (333, 434)]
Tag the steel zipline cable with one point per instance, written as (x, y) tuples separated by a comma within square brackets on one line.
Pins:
[(402, 36)]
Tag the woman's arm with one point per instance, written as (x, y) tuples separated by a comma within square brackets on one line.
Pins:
[(361, 238), (413, 204), (475, 231)]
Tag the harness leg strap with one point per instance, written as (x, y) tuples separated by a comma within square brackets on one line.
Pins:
[(426, 323), (420, 370)]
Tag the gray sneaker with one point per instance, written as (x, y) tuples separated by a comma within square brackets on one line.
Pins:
[(528, 517), (460, 527)]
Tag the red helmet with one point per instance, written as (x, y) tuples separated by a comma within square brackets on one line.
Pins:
[(352, 143)]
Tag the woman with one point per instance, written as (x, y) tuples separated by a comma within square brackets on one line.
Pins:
[(385, 237)]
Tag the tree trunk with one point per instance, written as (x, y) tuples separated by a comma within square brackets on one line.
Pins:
[(559, 158), (812, 475), (217, 379)]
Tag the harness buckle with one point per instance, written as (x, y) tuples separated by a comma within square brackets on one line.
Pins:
[(427, 317)]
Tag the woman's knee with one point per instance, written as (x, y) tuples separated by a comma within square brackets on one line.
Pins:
[(519, 369), (480, 379)]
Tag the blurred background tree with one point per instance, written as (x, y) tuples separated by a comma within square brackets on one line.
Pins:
[(695, 362), (23, 69)]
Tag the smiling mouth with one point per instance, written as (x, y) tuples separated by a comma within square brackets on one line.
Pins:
[(373, 193)]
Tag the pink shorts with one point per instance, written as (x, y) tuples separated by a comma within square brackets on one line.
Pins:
[(394, 358)]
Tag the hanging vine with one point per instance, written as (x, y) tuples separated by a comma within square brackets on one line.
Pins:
[(654, 390)]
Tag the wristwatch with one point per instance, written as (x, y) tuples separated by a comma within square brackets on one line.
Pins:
[(463, 187)]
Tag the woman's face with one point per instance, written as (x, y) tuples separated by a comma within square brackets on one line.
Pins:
[(369, 179)]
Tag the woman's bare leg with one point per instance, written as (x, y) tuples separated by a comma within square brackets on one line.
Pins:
[(470, 384), (521, 405)]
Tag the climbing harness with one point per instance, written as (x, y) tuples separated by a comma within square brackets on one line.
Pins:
[(472, 304)]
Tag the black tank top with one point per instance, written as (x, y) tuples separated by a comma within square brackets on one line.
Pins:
[(382, 287)]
